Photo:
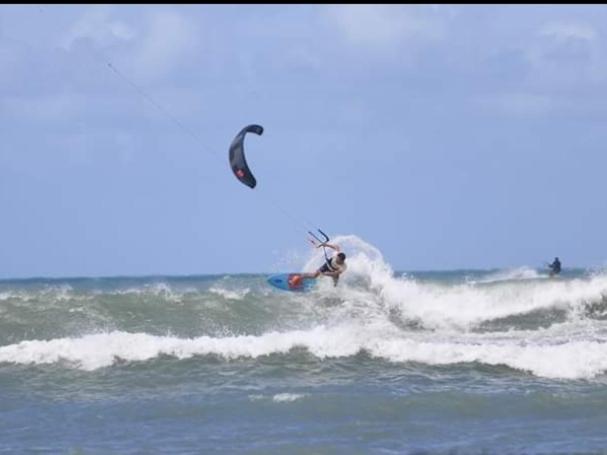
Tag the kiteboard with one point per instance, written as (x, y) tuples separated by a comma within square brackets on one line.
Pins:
[(291, 282)]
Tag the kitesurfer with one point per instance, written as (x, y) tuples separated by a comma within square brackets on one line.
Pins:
[(333, 266), (555, 267)]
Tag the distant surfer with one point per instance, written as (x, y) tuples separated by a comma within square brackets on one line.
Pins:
[(555, 267), (333, 266)]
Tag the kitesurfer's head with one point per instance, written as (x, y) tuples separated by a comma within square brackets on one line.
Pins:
[(341, 257)]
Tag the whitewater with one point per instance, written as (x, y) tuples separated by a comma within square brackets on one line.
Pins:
[(405, 361)]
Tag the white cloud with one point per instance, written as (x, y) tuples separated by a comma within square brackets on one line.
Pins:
[(97, 25), (385, 25), (565, 55), (146, 48), (568, 31), (169, 37)]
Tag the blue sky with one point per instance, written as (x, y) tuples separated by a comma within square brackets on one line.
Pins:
[(448, 136)]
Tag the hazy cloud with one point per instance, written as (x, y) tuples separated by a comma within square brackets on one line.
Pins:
[(518, 104), (160, 41), (376, 26), (568, 31), (97, 25), (169, 38)]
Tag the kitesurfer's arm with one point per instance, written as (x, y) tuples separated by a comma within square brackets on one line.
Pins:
[(329, 245)]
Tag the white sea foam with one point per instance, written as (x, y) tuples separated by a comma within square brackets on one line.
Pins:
[(48, 294), (279, 397), (160, 289), (7, 295), (546, 355), (461, 306), (287, 397), (61, 293), (515, 274), (238, 294), (373, 305)]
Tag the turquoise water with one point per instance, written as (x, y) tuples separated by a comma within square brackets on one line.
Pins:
[(498, 361)]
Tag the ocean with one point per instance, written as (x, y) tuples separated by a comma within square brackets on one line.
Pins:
[(467, 361)]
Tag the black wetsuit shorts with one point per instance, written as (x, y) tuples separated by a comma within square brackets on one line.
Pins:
[(326, 267)]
